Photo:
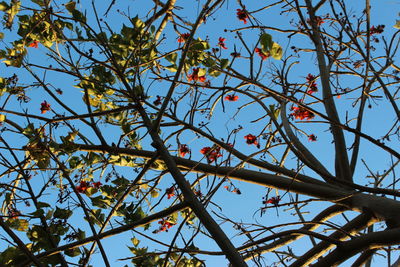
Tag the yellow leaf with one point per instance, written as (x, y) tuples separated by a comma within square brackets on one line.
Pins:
[(276, 51), (154, 193), (2, 117), (397, 25)]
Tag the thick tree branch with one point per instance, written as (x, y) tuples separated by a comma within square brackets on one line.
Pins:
[(342, 162), (359, 223), (115, 231), (20, 244), (369, 241)]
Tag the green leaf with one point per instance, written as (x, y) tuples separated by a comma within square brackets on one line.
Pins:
[(78, 16), (199, 45), (91, 191), (171, 58), (97, 217), (73, 252), (135, 241), (209, 62), (43, 205), (201, 72), (39, 2), (121, 181), (70, 6), (137, 22), (101, 202), (62, 213), (80, 235), (154, 193), (159, 165), (12, 256), (37, 213), (275, 112), (12, 12), (75, 162), (214, 72), (172, 68), (138, 215), (276, 51), (4, 6), (266, 42), (43, 162), (224, 63)]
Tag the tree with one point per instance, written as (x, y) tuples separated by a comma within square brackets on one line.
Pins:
[(256, 127)]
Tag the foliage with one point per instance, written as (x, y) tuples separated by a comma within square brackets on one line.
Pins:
[(231, 130)]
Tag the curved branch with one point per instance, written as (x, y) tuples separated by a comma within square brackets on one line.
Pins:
[(369, 241), (382, 207), (115, 231), (342, 162), (321, 217), (20, 244), (354, 226)]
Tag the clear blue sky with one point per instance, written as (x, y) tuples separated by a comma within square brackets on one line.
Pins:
[(245, 207)]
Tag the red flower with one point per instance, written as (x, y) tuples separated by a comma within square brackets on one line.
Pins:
[(202, 79), (183, 150), (211, 153), (170, 192), (157, 101), (183, 37), (195, 76), (312, 138), (310, 78), (273, 200), (242, 15), (13, 214), (221, 43), (312, 86), (34, 44), (252, 139), (82, 187), (232, 98), (237, 191), (318, 20), (263, 55), (302, 113), (44, 107), (376, 30), (165, 225), (97, 185), (234, 190)]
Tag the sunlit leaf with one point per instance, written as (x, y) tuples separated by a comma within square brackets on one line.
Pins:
[(276, 51), (397, 25), (266, 42), (224, 63), (70, 6), (73, 252), (172, 68), (172, 57), (18, 224), (62, 213)]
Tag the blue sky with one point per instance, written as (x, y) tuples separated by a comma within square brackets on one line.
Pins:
[(245, 207)]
